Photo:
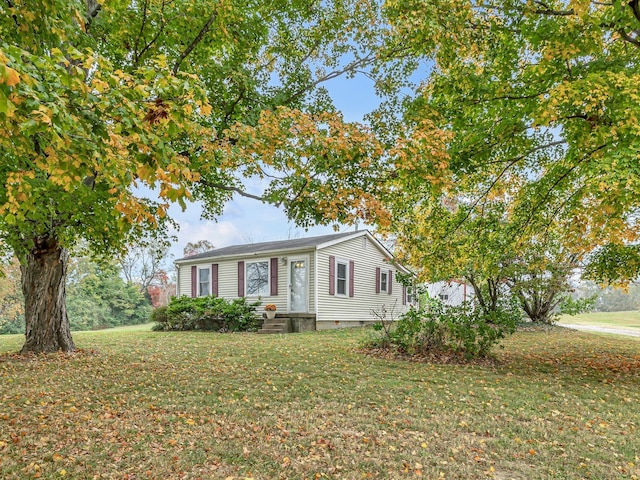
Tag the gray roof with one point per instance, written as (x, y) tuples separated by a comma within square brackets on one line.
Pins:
[(250, 248)]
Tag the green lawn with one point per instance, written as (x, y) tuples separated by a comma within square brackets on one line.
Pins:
[(625, 320), (135, 404)]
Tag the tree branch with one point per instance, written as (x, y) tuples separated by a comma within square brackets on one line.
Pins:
[(557, 13), (198, 38), (143, 22), (625, 36), (93, 8), (511, 163), (635, 7), (237, 190), (15, 18)]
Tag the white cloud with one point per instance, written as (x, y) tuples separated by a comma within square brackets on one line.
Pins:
[(243, 221)]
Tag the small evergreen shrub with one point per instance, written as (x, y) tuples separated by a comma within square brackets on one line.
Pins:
[(206, 313)]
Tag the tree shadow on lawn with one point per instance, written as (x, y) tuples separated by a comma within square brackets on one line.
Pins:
[(567, 353)]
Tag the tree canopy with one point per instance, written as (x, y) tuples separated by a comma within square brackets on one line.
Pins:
[(541, 100), (187, 98)]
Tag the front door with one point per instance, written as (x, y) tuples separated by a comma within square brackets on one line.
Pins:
[(298, 284)]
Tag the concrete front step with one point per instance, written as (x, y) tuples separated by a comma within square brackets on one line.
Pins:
[(277, 325), (269, 331), (289, 322)]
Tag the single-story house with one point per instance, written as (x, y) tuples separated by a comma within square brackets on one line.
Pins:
[(330, 281)]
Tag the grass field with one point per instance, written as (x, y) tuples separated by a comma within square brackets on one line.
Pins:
[(558, 404), (625, 320)]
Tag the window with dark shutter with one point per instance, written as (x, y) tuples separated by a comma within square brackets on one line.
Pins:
[(384, 280), (194, 281), (332, 275), (377, 279), (390, 289), (241, 279), (214, 279), (341, 278), (274, 277), (351, 278), (204, 282)]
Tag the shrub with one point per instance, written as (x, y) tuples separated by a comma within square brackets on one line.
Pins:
[(438, 328), (206, 313)]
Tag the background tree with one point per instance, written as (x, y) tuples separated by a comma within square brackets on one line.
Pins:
[(541, 279), (194, 248), (145, 263), (455, 240), (98, 297), (609, 299), (187, 98), (11, 301)]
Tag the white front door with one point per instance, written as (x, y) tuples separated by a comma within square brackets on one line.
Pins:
[(298, 284)]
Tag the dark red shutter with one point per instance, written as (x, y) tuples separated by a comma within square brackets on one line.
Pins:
[(194, 281), (274, 276), (404, 295), (377, 279), (389, 282), (351, 278), (241, 279), (332, 275), (214, 279)]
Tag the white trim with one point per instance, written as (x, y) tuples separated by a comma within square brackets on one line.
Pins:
[(330, 243), (248, 255), (385, 272), (177, 280), (346, 278), (201, 268), (246, 277), (284, 251), (291, 260), (316, 305)]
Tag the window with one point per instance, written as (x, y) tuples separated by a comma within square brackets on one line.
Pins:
[(410, 295), (383, 280), (257, 278), (204, 276), (443, 296), (341, 277)]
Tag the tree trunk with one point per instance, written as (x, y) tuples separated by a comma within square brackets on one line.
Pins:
[(43, 284)]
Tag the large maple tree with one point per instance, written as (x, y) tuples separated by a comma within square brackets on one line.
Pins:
[(541, 98), (188, 98)]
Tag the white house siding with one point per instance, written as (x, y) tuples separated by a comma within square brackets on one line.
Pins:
[(184, 280), (228, 278), (336, 311), (451, 293)]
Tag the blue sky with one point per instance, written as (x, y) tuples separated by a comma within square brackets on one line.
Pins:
[(248, 221)]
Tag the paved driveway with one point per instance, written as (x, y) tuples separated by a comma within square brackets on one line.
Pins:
[(593, 328)]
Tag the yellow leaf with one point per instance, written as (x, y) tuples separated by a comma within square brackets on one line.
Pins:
[(11, 77)]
